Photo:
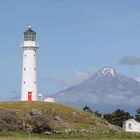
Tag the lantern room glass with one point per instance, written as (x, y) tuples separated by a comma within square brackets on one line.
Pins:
[(29, 35)]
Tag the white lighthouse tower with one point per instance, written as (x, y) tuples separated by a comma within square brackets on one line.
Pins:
[(29, 69)]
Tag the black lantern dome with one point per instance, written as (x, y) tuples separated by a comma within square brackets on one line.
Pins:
[(29, 35)]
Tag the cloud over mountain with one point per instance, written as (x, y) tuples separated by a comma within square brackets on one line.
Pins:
[(76, 78), (106, 87)]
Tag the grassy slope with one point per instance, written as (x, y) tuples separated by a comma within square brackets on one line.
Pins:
[(71, 118)]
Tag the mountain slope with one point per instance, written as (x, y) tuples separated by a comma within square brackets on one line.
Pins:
[(105, 89)]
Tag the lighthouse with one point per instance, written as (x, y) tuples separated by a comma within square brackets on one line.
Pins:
[(29, 68)]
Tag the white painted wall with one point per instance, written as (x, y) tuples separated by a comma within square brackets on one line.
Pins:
[(29, 71), (29, 43), (131, 126), (49, 99)]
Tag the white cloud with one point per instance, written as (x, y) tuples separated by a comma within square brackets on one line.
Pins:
[(137, 79), (119, 99), (76, 78), (116, 99)]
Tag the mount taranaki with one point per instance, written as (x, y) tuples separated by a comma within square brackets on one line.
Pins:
[(105, 91)]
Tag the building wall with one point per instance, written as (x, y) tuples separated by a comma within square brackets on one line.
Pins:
[(29, 74), (49, 99), (131, 126)]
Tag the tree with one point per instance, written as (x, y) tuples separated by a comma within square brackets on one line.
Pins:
[(87, 109), (117, 117), (96, 113), (137, 116)]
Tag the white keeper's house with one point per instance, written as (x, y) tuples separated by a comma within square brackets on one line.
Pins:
[(131, 125)]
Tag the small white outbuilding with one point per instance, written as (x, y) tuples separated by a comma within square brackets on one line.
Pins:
[(131, 125), (49, 99)]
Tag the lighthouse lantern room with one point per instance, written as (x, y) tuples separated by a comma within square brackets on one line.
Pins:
[(29, 68)]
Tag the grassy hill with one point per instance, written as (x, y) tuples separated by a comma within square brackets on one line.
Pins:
[(58, 116), (52, 119)]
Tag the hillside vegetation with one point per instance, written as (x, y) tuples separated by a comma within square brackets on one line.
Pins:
[(52, 119)]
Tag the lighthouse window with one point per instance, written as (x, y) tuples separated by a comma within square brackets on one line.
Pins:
[(35, 82), (25, 55), (24, 82), (29, 36), (24, 68), (34, 69), (34, 55)]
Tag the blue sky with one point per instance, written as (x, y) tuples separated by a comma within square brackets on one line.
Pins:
[(76, 37)]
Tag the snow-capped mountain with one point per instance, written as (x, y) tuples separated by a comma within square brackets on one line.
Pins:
[(107, 71), (106, 89)]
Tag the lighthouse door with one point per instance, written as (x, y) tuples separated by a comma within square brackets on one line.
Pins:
[(29, 96)]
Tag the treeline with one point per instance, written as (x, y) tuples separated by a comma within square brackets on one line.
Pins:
[(117, 117)]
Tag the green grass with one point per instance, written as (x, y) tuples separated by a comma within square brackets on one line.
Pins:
[(24, 136), (80, 120)]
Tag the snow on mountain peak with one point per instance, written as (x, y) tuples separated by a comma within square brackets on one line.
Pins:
[(107, 71)]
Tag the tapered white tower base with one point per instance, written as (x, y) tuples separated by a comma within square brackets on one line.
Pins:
[(29, 70)]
